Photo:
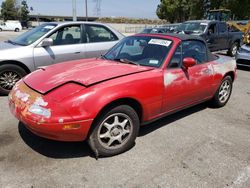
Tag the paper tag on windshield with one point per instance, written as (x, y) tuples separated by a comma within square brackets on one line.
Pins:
[(160, 42), (49, 27), (154, 62)]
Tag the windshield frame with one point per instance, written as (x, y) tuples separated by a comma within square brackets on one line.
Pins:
[(32, 31), (151, 36)]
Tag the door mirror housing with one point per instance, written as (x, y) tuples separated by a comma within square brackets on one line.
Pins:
[(46, 42), (188, 62)]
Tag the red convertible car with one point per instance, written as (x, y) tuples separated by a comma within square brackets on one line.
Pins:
[(105, 100)]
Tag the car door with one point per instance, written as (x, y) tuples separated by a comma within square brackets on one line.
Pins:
[(212, 37), (223, 36), (68, 44), (99, 40), (185, 87)]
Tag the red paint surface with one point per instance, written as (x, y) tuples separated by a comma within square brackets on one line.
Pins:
[(159, 91)]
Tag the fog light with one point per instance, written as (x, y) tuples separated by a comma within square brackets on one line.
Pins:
[(71, 126)]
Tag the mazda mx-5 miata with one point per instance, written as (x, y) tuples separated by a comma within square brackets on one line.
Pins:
[(105, 100)]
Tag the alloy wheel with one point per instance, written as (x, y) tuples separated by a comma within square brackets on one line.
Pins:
[(8, 79), (115, 131), (224, 91)]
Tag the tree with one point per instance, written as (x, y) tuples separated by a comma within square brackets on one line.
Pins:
[(9, 10), (24, 11), (179, 10), (173, 10)]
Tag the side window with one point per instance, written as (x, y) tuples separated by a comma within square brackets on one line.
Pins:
[(195, 49), (212, 29), (67, 35), (176, 59), (97, 33), (222, 27)]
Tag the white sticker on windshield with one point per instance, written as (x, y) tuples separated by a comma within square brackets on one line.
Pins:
[(203, 23), (49, 27), (160, 42), (153, 61)]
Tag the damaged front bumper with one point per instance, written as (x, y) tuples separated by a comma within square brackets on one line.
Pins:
[(45, 117)]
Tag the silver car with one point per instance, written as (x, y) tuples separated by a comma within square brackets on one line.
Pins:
[(243, 56), (52, 43)]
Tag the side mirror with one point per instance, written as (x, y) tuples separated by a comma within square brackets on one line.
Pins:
[(46, 42), (188, 62)]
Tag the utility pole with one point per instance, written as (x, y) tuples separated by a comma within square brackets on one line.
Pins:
[(74, 10), (86, 8)]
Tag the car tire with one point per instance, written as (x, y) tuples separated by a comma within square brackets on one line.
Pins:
[(233, 49), (115, 131), (9, 75), (1, 29), (223, 93), (17, 30)]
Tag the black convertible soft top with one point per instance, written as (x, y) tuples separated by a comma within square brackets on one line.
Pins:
[(184, 36)]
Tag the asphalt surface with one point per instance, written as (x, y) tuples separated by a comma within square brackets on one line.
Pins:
[(197, 147)]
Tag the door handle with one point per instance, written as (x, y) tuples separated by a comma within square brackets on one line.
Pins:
[(77, 52)]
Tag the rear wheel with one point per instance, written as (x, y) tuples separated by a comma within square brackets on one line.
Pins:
[(9, 75), (114, 131), (17, 30), (223, 93), (233, 50), (1, 29)]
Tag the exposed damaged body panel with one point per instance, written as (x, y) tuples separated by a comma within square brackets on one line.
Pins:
[(83, 72)]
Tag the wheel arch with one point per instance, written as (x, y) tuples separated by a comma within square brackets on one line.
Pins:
[(133, 103), (18, 63), (231, 74)]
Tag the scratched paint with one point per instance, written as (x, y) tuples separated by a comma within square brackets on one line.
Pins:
[(224, 65), (40, 102), (22, 96), (169, 78)]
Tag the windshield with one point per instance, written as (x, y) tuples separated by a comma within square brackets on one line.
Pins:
[(193, 27), (140, 50), (33, 35)]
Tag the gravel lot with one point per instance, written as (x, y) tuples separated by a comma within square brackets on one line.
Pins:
[(197, 147)]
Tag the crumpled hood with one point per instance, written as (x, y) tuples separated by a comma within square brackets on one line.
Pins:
[(85, 72)]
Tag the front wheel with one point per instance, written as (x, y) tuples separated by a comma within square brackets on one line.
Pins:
[(223, 93), (17, 30), (114, 131), (9, 75)]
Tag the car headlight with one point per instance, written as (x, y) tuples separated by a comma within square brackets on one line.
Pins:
[(38, 110)]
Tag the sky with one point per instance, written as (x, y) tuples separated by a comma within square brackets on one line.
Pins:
[(109, 8)]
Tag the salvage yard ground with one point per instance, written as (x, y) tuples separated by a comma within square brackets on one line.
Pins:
[(197, 147)]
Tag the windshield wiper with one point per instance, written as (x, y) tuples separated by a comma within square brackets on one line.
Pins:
[(127, 61), (11, 42), (103, 57), (14, 43)]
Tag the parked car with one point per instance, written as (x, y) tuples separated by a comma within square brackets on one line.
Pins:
[(168, 28), (11, 25), (217, 34), (152, 30), (52, 43), (105, 100), (243, 56)]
